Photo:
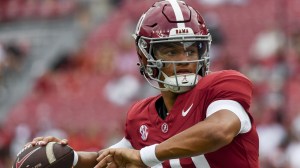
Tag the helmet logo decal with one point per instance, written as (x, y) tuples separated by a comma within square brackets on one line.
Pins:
[(181, 31), (144, 132), (184, 80)]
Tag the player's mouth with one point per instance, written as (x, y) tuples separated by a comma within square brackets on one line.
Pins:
[(183, 71)]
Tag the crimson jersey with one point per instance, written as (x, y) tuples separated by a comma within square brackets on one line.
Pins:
[(144, 126)]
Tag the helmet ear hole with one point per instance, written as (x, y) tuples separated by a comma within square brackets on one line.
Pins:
[(205, 68), (141, 68), (153, 72)]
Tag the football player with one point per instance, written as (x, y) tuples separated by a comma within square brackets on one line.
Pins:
[(200, 119)]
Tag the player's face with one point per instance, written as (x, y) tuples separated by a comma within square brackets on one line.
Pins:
[(184, 53)]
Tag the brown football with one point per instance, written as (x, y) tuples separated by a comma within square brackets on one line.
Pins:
[(53, 155)]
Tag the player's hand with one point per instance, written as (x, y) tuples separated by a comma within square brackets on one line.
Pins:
[(45, 140), (120, 157)]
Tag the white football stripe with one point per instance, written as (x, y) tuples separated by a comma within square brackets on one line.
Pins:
[(157, 166), (178, 13), (175, 163), (200, 161), (49, 152)]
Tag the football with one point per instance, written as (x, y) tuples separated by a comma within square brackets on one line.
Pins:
[(52, 155)]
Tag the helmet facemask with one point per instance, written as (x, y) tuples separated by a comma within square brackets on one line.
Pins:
[(172, 22), (160, 54)]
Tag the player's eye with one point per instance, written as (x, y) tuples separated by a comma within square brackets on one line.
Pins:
[(190, 53), (168, 52), (171, 52)]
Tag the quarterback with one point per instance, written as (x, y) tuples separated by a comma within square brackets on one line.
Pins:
[(201, 119)]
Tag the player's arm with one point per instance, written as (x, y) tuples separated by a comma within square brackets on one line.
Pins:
[(213, 133), (225, 119), (86, 159)]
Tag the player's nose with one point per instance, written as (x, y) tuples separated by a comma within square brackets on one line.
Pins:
[(183, 58)]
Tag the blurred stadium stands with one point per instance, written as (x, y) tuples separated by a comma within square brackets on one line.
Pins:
[(68, 68)]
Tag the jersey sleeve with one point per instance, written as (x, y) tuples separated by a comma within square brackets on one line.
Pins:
[(124, 143), (231, 85), (235, 108)]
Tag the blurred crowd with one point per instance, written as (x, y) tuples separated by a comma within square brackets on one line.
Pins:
[(85, 93)]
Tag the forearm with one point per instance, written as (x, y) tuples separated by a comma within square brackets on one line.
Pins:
[(206, 136), (185, 145), (86, 159)]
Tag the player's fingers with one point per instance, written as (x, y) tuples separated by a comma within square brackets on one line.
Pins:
[(45, 140), (105, 161), (63, 142), (102, 154), (36, 140), (27, 145), (54, 139)]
